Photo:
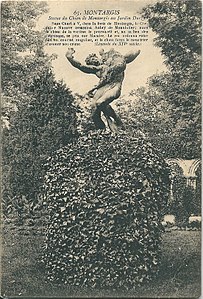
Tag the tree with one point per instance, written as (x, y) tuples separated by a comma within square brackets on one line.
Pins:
[(43, 123), (177, 24), (22, 57), (41, 113), (147, 111)]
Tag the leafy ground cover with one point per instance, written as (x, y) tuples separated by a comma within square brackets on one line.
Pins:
[(23, 274)]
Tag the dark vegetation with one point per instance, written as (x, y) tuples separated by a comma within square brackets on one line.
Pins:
[(105, 195)]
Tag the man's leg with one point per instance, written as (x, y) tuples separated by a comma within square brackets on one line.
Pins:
[(109, 111), (101, 100), (96, 116)]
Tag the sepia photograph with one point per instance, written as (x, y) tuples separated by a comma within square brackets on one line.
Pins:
[(101, 149)]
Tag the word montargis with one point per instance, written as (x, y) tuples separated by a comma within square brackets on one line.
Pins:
[(102, 12)]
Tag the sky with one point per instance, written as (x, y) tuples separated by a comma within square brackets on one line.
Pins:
[(149, 61)]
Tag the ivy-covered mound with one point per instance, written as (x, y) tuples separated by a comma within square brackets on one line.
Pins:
[(104, 195)]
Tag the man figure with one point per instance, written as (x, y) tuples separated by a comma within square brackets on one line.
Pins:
[(110, 69)]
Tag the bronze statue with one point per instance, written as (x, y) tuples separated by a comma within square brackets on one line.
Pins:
[(109, 68)]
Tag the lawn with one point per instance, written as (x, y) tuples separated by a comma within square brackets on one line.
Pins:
[(23, 274)]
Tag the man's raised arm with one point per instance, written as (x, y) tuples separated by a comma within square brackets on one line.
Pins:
[(129, 57), (84, 68)]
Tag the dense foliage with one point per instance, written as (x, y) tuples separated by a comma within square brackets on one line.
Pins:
[(186, 201), (21, 50), (40, 113), (105, 195), (177, 24), (43, 123), (175, 94), (146, 110)]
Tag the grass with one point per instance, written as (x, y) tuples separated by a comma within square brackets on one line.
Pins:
[(23, 274)]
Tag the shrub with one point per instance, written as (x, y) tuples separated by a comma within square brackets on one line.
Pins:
[(44, 122), (104, 195), (184, 204)]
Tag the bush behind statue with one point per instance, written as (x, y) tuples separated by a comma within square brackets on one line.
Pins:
[(104, 194)]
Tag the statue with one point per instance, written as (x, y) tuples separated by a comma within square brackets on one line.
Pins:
[(109, 68)]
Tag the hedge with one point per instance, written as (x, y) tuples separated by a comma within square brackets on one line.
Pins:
[(104, 194)]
